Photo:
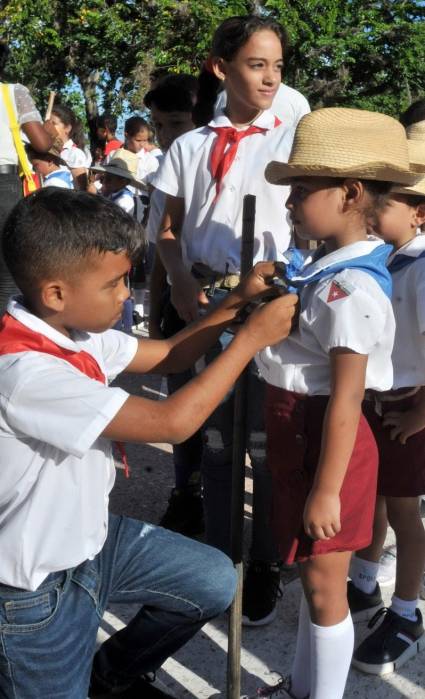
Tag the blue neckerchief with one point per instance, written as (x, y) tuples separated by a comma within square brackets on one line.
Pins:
[(64, 175), (116, 195), (374, 263), (401, 261)]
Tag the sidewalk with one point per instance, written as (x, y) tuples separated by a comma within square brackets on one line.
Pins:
[(199, 669)]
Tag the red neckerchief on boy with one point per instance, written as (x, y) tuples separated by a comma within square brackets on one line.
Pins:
[(222, 159), (16, 337)]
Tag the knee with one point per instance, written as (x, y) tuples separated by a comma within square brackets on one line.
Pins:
[(403, 515), (219, 584)]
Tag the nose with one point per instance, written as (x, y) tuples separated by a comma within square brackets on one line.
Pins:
[(290, 202)]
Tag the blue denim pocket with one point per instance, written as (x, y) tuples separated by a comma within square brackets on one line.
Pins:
[(30, 611)]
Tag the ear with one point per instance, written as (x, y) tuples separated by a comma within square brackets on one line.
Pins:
[(53, 294), (353, 191), (420, 215), (218, 66)]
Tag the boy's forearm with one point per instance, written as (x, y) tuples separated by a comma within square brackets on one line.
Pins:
[(338, 438)]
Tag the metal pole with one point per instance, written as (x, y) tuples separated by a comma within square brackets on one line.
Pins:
[(238, 476)]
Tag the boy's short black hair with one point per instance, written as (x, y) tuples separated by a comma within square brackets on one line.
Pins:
[(174, 93), (52, 232), (107, 121), (414, 113)]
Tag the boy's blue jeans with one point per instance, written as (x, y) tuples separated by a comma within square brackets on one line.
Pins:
[(47, 637)]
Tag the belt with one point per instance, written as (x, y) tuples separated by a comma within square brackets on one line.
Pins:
[(208, 278), (378, 397), (8, 169)]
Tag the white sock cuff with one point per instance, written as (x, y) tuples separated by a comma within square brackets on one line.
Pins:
[(333, 631)]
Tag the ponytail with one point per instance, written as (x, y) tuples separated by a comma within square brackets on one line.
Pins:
[(209, 87)]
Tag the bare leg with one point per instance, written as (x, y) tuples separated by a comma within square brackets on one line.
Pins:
[(380, 523), (324, 580), (404, 517)]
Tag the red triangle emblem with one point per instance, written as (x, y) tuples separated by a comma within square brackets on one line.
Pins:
[(336, 292)]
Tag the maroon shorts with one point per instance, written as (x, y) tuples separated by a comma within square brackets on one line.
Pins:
[(294, 431), (401, 466)]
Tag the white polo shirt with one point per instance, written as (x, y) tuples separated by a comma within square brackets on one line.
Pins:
[(409, 311), (348, 309), (212, 230), (56, 469), (73, 156)]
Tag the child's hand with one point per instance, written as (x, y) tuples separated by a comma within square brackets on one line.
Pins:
[(259, 282), (186, 296), (271, 322), (404, 424), (322, 515)]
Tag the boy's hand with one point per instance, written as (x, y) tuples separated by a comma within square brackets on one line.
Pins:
[(259, 282), (271, 322), (322, 515), (186, 296), (404, 424)]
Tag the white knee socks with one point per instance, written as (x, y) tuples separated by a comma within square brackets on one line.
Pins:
[(363, 574), (331, 652), (322, 657)]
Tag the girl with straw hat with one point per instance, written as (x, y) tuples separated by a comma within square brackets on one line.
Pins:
[(321, 451), (397, 418)]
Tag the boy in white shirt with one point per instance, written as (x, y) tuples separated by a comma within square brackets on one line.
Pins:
[(62, 561)]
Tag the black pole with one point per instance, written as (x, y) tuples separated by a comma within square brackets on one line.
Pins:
[(238, 475)]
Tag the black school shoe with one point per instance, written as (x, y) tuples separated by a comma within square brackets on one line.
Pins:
[(185, 512), (363, 606), (391, 644), (261, 589), (143, 686)]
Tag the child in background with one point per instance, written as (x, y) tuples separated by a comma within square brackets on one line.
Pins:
[(171, 104), (397, 419), (52, 168), (152, 144), (105, 130), (118, 174), (70, 130), (63, 557), (205, 175), (321, 451), (136, 132)]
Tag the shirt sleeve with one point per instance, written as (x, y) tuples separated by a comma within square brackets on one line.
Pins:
[(54, 403), (118, 350), (168, 177), (420, 294), (25, 107), (75, 157), (348, 313)]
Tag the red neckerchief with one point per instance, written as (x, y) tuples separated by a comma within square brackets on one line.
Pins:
[(222, 159), (17, 337)]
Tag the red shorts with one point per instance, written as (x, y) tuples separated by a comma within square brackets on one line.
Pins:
[(401, 466), (294, 432)]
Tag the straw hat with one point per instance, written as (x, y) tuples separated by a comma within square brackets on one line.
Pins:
[(123, 163), (338, 142), (417, 162)]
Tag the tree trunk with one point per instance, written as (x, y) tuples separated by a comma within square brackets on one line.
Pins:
[(89, 84)]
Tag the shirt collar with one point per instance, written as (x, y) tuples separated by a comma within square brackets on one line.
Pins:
[(413, 248), (18, 311), (266, 120), (348, 252)]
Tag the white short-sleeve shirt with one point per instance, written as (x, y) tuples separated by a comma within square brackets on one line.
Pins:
[(124, 199), (409, 312), (211, 231), (348, 309), (59, 178), (56, 469), (73, 156), (25, 111)]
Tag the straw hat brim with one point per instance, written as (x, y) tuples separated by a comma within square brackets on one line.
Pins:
[(282, 173), (120, 172), (417, 190)]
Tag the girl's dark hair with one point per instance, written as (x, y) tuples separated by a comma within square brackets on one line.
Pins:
[(414, 113), (173, 93), (4, 55), (413, 200), (134, 124), (228, 39), (67, 117)]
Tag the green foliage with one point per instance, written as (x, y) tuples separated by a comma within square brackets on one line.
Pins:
[(362, 53)]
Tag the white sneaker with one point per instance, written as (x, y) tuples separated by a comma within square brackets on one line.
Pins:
[(387, 567)]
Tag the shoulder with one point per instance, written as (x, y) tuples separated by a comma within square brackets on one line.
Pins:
[(192, 139), (353, 289), (294, 96)]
